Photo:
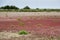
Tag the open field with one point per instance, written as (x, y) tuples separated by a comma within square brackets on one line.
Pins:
[(40, 24)]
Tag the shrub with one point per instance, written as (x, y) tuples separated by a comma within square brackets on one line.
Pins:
[(18, 19), (21, 23), (23, 32)]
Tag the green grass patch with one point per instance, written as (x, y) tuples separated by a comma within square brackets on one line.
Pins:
[(23, 32)]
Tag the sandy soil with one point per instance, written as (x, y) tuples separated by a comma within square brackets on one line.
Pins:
[(18, 14), (15, 36)]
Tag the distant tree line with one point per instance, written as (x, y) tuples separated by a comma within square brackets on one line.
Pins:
[(13, 7), (25, 9), (9, 7)]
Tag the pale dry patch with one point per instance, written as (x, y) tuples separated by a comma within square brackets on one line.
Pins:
[(15, 36), (8, 35), (18, 14)]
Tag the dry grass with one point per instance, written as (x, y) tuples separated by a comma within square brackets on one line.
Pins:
[(13, 14)]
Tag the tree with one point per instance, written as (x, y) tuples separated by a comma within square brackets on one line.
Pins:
[(13, 7), (5, 7), (37, 8), (9, 7), (27, 7)]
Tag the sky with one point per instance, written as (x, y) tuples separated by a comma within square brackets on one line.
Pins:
[(32, 3)]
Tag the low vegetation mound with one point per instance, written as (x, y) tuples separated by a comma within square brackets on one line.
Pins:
[(23, 32)]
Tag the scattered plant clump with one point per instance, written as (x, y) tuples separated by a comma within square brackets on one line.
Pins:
[(23, 32), (18, 19), (21, 24)]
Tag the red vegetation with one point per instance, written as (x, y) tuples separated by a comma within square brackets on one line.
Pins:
[(35, 25)]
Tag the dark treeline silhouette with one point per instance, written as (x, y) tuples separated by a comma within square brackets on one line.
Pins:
[(25, 9), (9, 7)]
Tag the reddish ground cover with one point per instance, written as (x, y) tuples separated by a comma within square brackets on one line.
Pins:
[(35, 25)]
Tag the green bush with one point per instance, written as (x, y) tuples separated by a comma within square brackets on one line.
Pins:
[(23, 32)]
